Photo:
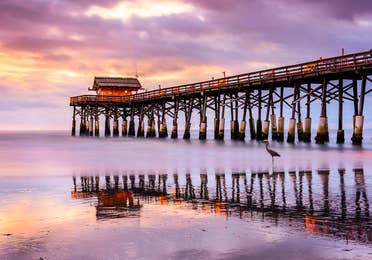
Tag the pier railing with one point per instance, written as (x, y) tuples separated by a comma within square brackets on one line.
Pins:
[(317, 67)]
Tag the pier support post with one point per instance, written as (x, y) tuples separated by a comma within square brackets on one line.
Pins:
[(150, 127), (115, 124), (274, 129), (82, 126), (188, 112), (242, 128), (73, 129), (124, 126), (306, 137), (259, 122), (216, 121), (163, 129), (141, 127), (131, 131), (266, 124), (252, 128), (96, 123), (163, 125), (174, 134), (107, 124), (203, 129), (203, 121), (300, 130), (221, 127), (280, 137), (322, 132), (234, 126), (91, 125), (292, 120), (358, 128), (340, 131)]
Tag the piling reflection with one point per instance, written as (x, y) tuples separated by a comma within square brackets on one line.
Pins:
[(319, 202)]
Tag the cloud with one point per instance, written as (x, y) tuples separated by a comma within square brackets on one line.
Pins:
[(55, 48)]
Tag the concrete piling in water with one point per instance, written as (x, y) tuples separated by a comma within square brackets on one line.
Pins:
[(186, 134), (82, 126), (306, 136), (358, 130), (242, 129), (174, 134), (141, 128), (252, 129), (131, 131), (221, 129), (322, 135), (274, 129), (234, 127), (115, 126), (340, 130), (221, 125), (203, 129), (216, 124), (124, 127), (73, 128), (151, 132), (163, 129), (291, 130), (265, 130), (358, 126), (300, 131), (91, 126), (280, 136), (259, 122), (322, 131), (107, 125)]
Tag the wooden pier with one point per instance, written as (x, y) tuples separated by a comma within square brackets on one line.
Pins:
[(267, 92)]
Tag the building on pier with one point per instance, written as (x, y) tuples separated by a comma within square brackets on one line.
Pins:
[(115, 86)]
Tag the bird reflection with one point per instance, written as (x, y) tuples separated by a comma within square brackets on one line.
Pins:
[(322, 203)]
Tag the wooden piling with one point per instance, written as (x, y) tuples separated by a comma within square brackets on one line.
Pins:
[(299, 123), (203, 119), (131, 130), (242, 128), (307, 131), (221, 127), (216, 116), (322, 132), (274, 129), (340, 131), (115, 124), (266, 124), (292, 120), (259, 122), (91, 129), (358, 128), (107, 123), (280, 137), (96, 123), (73, 128), (174, 134)]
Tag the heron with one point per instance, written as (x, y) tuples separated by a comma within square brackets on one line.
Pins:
[(270, 151)]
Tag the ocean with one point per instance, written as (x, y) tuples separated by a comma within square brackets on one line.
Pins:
[(66, 197)]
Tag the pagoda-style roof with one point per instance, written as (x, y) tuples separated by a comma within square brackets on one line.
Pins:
[(118, 82)]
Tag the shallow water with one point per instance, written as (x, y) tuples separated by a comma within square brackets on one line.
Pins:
[(129, 198)]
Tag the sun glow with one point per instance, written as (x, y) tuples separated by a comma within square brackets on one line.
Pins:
[(144, 8)]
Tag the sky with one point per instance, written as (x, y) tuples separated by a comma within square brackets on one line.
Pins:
[(52, 49)]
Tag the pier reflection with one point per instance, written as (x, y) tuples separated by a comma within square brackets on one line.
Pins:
[(318, 202)]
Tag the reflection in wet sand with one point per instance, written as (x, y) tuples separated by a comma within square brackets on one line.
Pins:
[(327, 209)]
